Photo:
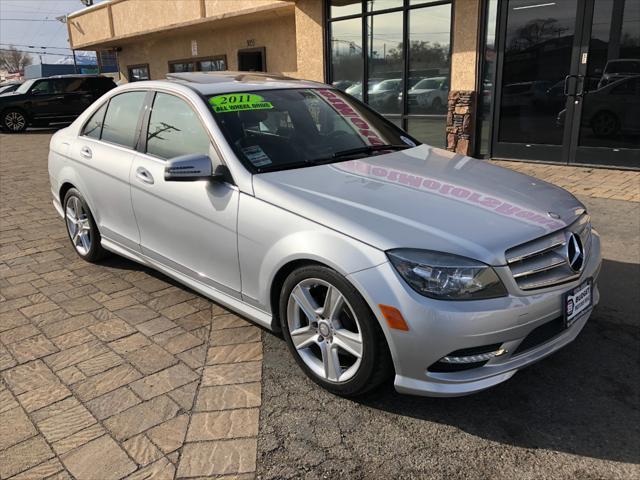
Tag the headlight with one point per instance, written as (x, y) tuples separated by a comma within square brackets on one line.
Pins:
[(445, 276)]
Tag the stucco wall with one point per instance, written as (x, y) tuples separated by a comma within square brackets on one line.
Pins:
[(465, 39), (133, 16), (92, 27), (277, 35), (215, 8), (310, 40)]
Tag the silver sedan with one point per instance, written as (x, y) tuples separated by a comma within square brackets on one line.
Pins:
[(303, 210)]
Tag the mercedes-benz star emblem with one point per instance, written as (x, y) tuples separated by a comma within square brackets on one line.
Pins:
[(575, 253)]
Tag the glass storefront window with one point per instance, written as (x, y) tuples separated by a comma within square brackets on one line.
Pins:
[(429, 61), (422, 49), (385, 55), (346, 56), (342, 8)]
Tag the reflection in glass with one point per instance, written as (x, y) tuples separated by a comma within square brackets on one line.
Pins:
[(610, 109), (373, 5), (430, 130), (346, 55), (485, 96), (342, 8), (537, 57), (385, 61)]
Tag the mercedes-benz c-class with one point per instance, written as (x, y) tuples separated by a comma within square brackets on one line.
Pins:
[(301, 209)]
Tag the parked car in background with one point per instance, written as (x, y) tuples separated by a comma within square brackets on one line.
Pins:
[(429, 94), (311, 214), (619, 69), (383, 96), (41, 101), (612, 109), (8, 87)]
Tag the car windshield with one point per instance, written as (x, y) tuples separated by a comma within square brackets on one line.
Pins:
[(428, 84), (24, 88), (273, 130), (385, 85)]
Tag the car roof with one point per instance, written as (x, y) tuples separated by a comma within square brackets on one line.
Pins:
[(73, 75), (211, 83)]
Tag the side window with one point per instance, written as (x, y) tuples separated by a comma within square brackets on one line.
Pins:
[(93, 127), (175, 129), (76, 85), (41, 87), (121, 119)]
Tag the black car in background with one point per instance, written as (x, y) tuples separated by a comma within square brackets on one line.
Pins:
[(41, 101)]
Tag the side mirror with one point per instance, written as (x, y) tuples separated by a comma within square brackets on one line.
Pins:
[(187, 168)]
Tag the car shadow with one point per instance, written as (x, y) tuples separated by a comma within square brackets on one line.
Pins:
[(583, 400)]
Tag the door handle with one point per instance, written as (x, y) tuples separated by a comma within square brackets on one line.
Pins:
[(144, 175), (86, 152), (565, 88)]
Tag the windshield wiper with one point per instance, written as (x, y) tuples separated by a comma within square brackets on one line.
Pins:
[(368, 149)]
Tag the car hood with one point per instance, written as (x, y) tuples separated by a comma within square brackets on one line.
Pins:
[(11, 96), (424, 198)]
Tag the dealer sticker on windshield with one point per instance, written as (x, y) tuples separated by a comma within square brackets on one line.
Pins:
[(256, 156), (576, 302), (236, 102)]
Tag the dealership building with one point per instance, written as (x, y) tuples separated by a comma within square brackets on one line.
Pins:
[(537, 80)]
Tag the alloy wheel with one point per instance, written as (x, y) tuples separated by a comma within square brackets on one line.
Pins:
[(78, 225), (324, 330), (15, 121)]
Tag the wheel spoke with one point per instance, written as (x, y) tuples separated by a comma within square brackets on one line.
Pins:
[(71, 215), (303, 337), (348, 341), (331, 362), (333, 303), (306, 303), (84, 239)]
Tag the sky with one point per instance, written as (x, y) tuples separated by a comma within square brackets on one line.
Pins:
[(33, 22)]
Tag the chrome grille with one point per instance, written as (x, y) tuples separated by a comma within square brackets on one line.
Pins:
[(543, 262)]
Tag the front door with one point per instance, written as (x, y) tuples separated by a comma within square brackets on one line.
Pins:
[(188, 226), (560, 64)]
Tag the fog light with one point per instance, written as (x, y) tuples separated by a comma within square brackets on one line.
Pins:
[(481, 357)]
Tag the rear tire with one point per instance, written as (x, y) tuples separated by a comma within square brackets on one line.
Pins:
[(81, 227), (338, 342), (14, 120)]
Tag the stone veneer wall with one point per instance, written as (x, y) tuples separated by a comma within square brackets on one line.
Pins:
[(460, 113)]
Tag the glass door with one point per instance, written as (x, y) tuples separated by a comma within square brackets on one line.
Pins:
[(536, 76), (606, 124)]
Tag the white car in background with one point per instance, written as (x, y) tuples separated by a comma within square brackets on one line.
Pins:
[(429, 94)]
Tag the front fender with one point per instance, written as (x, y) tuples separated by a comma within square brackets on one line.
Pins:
[(269, 238)]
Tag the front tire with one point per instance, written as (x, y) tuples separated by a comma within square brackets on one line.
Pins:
[(14, 120), (331, 332), (81, 227)]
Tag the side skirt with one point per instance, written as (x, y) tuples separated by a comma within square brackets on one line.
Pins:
[(256, 315)]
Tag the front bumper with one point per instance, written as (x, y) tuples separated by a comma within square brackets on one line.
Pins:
[(437, 328)]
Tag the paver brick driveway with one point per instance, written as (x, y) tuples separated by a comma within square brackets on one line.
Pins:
[(111, 370)]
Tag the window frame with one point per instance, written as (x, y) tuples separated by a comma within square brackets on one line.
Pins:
[(197, 60), (139, 65), (404, 116)]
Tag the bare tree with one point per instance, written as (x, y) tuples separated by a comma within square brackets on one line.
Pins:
[(14, 60)]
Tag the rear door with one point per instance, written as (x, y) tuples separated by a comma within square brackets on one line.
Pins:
[(104, 154), (78, 95), (46, 99), (188, 226)]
